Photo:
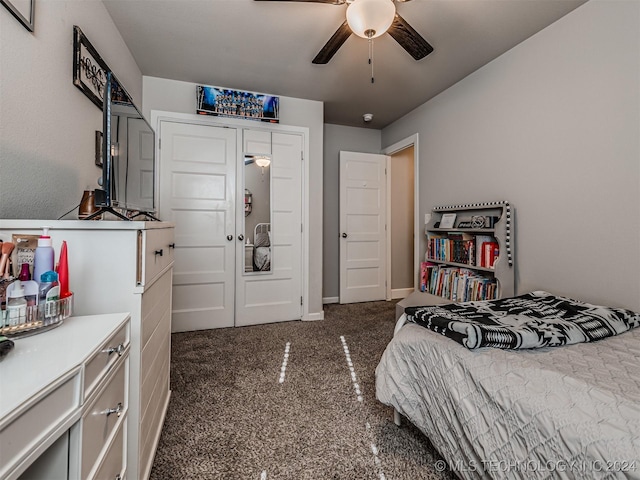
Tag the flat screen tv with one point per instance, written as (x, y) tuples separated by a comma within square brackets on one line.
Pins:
[(128, 156)]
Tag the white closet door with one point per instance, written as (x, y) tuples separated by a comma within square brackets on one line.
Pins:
[(276, 295), (197, 193)]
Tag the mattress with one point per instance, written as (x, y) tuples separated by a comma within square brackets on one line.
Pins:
[(564, 412)]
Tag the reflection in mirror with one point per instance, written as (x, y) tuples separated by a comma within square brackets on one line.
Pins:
[(257, 213)]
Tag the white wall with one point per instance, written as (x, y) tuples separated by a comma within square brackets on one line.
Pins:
[(47, 125), (180, 97), (337, 138), (553, 126)]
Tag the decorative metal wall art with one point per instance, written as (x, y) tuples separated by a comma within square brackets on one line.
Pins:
[(23, 10), (89, 70)]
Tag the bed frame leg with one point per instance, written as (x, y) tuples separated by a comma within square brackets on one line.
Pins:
[(397, 419)]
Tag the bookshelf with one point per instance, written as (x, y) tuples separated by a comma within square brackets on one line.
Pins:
[(469, 253)]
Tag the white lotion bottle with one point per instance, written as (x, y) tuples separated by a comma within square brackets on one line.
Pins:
[(44, 256), (16, 306)]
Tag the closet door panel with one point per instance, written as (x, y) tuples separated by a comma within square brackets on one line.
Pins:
[(276, 295), (256, 141), (197, 194)]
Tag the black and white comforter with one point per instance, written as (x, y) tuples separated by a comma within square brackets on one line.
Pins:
[(533, 320)]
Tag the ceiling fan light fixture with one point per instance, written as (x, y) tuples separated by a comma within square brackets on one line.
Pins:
[(263, 161), (370, 18)]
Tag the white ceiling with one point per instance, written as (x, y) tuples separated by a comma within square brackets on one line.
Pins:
[(267, 47)]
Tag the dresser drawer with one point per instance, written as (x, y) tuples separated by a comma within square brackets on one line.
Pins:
[(113, 464), (156, 307), (102, 417), (48, 417), (156, 247), (105, 358)]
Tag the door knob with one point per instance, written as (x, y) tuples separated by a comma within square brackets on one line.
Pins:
[(240, 237), (344, 235), (229, 237)]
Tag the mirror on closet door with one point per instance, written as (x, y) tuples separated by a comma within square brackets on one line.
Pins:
[(257, 213)]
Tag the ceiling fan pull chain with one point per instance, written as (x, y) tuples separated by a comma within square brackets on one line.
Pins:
[(371, 57)]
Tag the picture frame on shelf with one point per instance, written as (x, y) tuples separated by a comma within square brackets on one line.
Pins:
[(448, 220), (23, 10)]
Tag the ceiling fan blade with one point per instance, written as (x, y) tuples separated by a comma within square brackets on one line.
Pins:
[(409, 39), (332, 2), (334, 43)]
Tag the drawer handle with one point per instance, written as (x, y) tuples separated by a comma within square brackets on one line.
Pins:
[(172, 245), (117, 410), (158, 252), (119, 350)]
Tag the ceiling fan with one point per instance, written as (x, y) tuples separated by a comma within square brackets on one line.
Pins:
[(370, 19)]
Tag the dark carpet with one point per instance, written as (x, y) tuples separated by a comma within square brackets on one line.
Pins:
[(230, 417)]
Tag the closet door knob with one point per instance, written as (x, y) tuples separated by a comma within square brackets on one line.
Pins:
[(240, 237), (158, 252), (344, 235), (229, 237), (172, 245)]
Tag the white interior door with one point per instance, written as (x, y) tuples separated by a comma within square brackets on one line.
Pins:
[(198, 194), (263, 297), (363, 188)]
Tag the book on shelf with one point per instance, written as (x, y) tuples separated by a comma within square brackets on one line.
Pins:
[(454, 247), (458, 284), (424, 272), (480, 240), (490, 252)]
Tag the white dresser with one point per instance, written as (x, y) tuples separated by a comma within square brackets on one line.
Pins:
[(118, 266), (64, 402)]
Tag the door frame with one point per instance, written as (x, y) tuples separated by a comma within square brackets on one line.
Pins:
[(390, 150), (158, 116)]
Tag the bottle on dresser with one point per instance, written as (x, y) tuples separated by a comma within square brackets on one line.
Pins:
[(43, 256), (48, 295), (16, 305)]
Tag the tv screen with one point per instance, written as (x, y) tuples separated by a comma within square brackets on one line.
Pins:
[(128, 175)]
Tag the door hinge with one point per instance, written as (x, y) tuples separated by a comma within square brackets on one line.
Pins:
[(300, 300), (302, 155), (301, 227), (159, 143)]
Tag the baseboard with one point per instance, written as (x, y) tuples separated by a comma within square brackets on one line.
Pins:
[(310, 317), (401, 292), (326, 300)]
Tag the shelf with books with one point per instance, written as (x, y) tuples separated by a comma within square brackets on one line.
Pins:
[(459, 284), (471, 259)]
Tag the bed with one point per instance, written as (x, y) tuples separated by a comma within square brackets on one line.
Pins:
[(262, 247), (571, 411)]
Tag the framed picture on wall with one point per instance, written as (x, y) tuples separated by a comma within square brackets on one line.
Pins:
[(23, 10), (89, 70), (98, 148)]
